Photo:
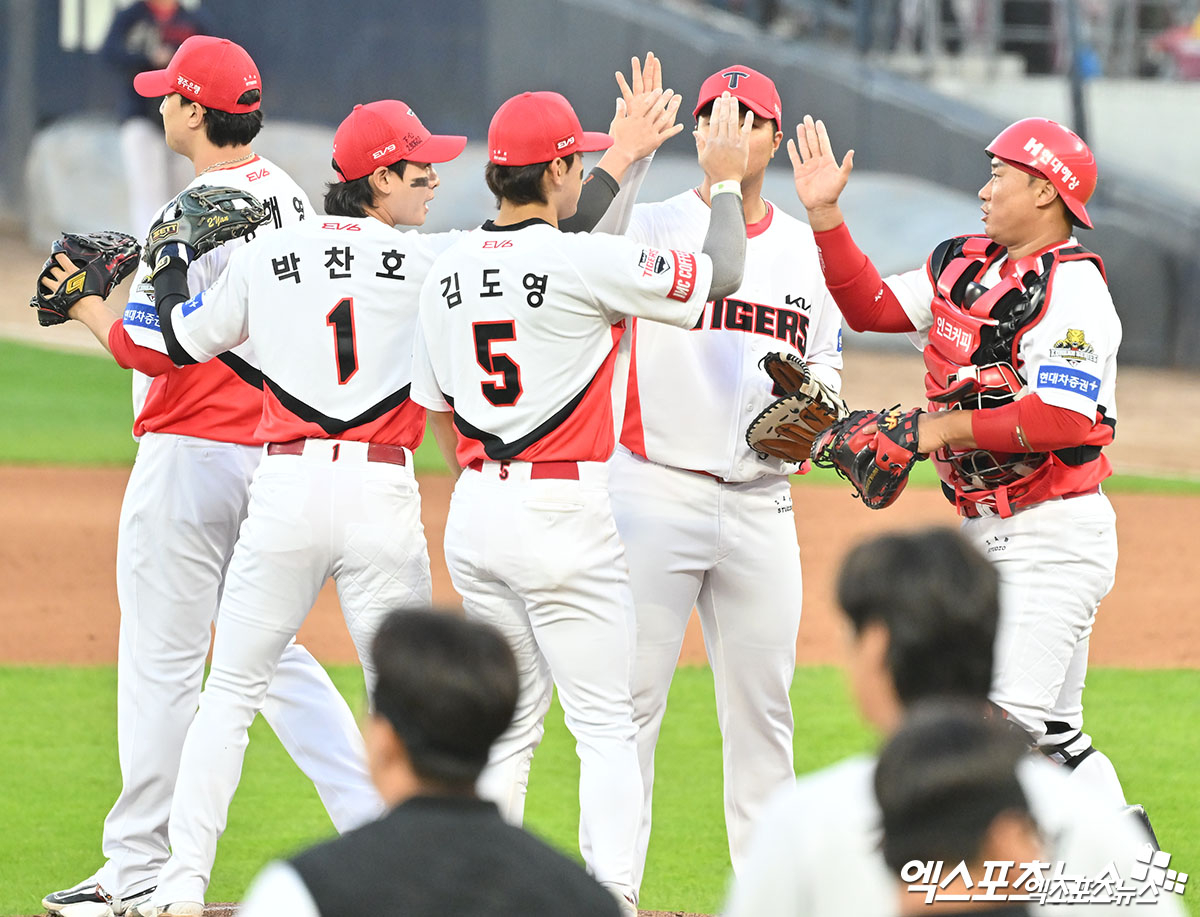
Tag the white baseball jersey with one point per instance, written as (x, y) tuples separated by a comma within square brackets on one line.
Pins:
[(816, 848), (1069, 356), (330, 306), (782, 305), (213, 404), (519, 328)]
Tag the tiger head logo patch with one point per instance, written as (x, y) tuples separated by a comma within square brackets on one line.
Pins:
[(1074, 348)]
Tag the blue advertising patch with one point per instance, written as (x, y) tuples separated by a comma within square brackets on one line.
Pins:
[(1069, 379), (141, 315), (192, 304)]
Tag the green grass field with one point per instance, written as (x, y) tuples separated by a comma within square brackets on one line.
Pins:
[(59, 763)]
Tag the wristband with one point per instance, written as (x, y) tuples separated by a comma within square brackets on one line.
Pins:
[(734, 187)]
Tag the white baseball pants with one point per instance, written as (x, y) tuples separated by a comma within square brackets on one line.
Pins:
[(1056, 561), (183, 505), (541, 561), (328, 512), (730, 551)]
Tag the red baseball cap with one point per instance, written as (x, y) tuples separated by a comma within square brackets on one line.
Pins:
[(212, 71), (753, 89), (539, 127), (384, 132)]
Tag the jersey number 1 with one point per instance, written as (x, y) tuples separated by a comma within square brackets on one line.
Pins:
[(497, 364), (341, 319)]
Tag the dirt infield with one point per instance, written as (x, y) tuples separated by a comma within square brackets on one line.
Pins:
[(58, 532)]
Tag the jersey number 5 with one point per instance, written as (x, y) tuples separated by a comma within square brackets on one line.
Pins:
[(497, 364), (341, 319)]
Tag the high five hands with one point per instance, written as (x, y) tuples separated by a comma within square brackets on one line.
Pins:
[(723, 142), (818, 177)]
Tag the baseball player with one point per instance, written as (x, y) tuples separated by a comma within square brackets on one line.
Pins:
[(334, 494), (1020, 336), (330, 308), (708, 523), (517, 339), (185, 501)]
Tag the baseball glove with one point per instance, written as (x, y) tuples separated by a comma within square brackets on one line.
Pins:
[(786, 428), (102, 259), (203, 218), (877, 463)]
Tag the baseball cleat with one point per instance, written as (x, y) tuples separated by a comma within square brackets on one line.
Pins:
[(89, 892), (1138, 813), (174, 909)]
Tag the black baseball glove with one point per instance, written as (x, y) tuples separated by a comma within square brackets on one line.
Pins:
[(203, 218), (786, 428), (102, 260), (876, 463)]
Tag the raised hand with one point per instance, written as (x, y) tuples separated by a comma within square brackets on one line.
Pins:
[(645, 117), (723, 142), (818, 177)]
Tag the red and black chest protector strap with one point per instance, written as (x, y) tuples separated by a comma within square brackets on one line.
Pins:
[(1009, 307)]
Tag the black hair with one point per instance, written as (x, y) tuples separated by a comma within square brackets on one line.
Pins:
[(352, 198), (520, 184), (448, 687), (706, 112), (225, 128), (942, 780), (939, 600)]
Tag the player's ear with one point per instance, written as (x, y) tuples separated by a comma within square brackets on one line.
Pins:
[(381, 180)]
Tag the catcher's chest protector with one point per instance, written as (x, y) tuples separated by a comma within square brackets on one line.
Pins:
[(973, 324)]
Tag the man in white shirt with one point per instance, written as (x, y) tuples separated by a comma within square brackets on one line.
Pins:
[(923, 609)]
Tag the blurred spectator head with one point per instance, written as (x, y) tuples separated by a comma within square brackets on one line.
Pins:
[(923, 608), (948, 791), (446, 690)]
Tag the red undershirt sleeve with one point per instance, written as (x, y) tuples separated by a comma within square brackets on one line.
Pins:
[(854, 282), (1029, 425), (133, 356)]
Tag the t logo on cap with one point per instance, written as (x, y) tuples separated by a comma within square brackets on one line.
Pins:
[(754, 90)]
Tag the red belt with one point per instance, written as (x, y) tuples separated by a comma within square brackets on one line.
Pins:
[(376, 452), (970, 511), (563, 471)]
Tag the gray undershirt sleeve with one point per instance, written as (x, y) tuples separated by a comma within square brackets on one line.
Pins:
[(725, 244), (594, 200)]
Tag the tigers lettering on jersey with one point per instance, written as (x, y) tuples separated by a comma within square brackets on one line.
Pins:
[(782, 305), (731, 314)]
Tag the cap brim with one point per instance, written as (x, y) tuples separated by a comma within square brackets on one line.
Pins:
[(594, 142), (152, 84), (438, 148)]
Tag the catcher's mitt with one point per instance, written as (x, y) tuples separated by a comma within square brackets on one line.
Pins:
[(876, 463), (786, 428), (203, 218), (102, 259)]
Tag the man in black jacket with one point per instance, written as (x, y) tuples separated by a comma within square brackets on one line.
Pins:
[(446, 689)]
